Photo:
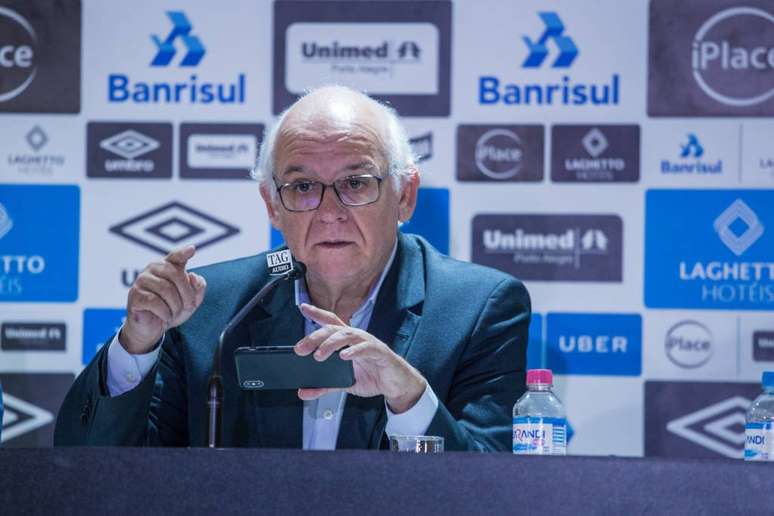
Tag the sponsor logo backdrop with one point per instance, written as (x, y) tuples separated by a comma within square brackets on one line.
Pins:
[(618, 161)]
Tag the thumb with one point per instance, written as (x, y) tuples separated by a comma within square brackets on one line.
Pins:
[(199, 285)]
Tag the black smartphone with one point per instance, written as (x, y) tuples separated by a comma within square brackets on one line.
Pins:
[(278, 367)]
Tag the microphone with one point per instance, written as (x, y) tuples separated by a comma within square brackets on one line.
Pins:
[(215, 385)]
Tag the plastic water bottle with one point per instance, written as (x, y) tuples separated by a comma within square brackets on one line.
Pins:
[(539, 421), (759, 427)]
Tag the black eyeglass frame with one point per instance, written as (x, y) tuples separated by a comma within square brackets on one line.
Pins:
[(379, 181)]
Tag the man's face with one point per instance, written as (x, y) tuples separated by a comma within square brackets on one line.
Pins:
[(338, 243)]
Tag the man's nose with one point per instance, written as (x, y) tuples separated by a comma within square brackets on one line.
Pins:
[(331, 209)]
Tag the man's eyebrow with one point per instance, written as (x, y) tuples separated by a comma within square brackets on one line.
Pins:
[(363, 165), (293, 169)]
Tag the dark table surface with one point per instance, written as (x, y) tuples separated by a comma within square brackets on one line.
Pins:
[(156, 480)]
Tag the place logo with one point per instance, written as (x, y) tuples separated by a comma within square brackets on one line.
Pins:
[(722, 56), (40, 46), (595, 153), (171, 226), (99, 325), (422, 147), (555, 49), (165, 59), (571, 247), (696, 419), (138, 150), (36, 162), (31, 404), (218, 151), (689, 344), (600, 344), (399, 56), (39, 242), (691, 159), (712, 252), (763, 346), (500, 153), (33, 336)]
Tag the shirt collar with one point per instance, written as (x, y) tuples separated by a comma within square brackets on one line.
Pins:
[(302, 294)]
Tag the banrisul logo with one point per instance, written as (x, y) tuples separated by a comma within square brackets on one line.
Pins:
[(691, 158), (555, 52), (178, 62), (709, 249)]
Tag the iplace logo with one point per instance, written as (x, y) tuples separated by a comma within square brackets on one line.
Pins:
[(551, 247), (39, 242), (595, 153), (721, 55), (31, 404), (707, 249), (398, 55), (556, 51), (500, 153), (218, 151), (173, 225), (696, 419), (40, 46), (33, 336), (134, 150), (594, 344), (689, 344)]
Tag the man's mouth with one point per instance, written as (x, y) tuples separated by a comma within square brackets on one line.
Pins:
[(334, 244)]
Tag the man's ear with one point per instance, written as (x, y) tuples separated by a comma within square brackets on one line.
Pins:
[(271, 207), (408, 195)]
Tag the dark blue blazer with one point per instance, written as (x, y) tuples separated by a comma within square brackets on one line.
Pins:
[(463, 326)]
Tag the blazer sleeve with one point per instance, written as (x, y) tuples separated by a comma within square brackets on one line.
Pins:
[(153, 413), (490, 377)]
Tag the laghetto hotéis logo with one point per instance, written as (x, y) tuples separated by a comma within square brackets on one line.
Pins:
[(709, 249), (179, 61), (555, 52)]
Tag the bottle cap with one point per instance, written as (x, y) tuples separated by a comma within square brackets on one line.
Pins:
[(767, 379), (544, 377)]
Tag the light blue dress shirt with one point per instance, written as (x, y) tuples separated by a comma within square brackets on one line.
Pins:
[(321, 417)]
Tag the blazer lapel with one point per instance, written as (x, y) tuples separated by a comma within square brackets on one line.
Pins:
[(278, 414), (394, 321)]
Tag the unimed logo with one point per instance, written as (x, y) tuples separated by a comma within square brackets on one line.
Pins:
[(218, 151), (564, 89), (550, 247), (136, 150), (500, 152), (595, 153), (398, 55), (708, 249), (40, 44), (39, 242), (696, 419), (721, 55), (33, 336), (173, 225), (594, 344)]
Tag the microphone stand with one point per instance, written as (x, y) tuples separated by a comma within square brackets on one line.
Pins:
[(215, 385)]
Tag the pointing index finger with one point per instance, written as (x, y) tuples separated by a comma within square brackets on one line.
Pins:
[(180, 256)]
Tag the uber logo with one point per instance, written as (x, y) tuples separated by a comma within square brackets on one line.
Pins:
[(500, 153), (218, 151), (40, 49), (129, 150), (696, 419), (173, 225), (31, 403), (594, 344)]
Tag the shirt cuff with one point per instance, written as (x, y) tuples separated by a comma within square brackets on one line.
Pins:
[(417, 419), (125, 371)]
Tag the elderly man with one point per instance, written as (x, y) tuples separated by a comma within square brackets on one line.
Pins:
[(437, 346)]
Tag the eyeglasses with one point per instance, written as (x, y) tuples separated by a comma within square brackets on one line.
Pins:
[(306, 195)]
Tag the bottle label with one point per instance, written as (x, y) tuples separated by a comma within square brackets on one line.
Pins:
[(539, 435), (759, 441)]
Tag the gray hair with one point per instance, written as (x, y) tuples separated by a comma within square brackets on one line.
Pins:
[(400, 157)]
